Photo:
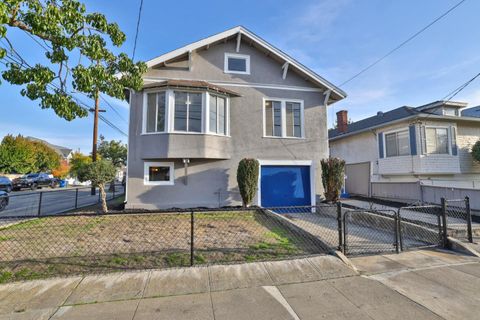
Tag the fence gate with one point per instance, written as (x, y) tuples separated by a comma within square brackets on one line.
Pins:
[(458, 218), (420, 226), (370, 231)]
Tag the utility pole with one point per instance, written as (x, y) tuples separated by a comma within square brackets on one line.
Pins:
[(95, 111)]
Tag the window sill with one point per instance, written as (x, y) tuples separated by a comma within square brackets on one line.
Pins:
[(161, 183), (185, 133), (288, 138), (236, 72)]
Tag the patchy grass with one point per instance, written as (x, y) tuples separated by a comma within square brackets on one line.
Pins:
[(55, 246)]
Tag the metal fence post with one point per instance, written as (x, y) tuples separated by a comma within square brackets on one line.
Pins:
[(345, 233), (340, 226), (444, 222), (469, 219), (192, 243), (76, 198), (40, 203), (398, 232)]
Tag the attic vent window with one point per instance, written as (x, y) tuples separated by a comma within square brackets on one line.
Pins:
[(237, 63)]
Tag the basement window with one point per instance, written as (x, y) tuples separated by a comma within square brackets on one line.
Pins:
[(159, 173), (237, 63)]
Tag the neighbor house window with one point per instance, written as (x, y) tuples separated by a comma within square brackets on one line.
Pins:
[(397, 144), (283, 118), (218, 111), (188, 112), (155, 115), (237, 63), (159, 173), (436, 140)]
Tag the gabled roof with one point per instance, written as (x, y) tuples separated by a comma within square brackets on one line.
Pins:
[(379, 119), (62, 151), (244, 33), (401, 114)]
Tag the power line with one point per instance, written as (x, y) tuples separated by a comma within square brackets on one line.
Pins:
[(82, 104), (138, 27), (459, 89), (401, 44), (113, 109)]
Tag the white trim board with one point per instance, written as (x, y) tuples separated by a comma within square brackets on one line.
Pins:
[(242, 84), (309, 163), (259, 41)]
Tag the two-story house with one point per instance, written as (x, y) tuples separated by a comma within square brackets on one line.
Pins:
[(409, 153), (209, 104)]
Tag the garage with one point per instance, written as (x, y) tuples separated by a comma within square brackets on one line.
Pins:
[(358, 179), (285, 185)]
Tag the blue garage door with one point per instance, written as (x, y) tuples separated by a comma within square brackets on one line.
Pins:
[(285, 186)]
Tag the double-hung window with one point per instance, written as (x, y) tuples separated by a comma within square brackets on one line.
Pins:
[(283, 118), (188, 112), (397, 143), (437, 140), (218, 112), (155, 115)]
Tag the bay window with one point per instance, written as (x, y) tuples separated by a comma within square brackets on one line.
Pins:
[(397, 143), (283, 118), (193, 112), (436, 140), (188, 112), (155, 112), (217, 121)]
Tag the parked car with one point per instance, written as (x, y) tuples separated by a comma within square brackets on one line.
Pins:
[(34, 181), (3, 200), (5, 184)]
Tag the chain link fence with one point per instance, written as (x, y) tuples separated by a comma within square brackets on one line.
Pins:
[(458, 218), (56, 201), (66, 243)]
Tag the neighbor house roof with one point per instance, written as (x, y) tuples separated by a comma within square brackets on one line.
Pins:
[(400, 114), (62, 151), (243, 33), (191, 84), (471, 112)]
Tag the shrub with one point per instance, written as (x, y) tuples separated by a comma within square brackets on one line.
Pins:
[(247, 179), (476, 151), (332, 177)]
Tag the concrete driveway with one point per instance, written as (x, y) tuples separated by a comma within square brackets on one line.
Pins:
[(428, 285)]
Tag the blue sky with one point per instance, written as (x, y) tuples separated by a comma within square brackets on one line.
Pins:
[(336, 38)]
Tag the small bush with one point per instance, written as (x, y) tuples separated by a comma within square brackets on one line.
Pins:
[(476, 151), (247, 179), (333, 170)]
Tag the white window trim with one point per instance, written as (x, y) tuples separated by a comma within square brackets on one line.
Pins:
[(149, 164), (227, 115), (385, 143), (170, 113), (283, 108), (309, 163), (238, 56), (449, 140), (145, 108)]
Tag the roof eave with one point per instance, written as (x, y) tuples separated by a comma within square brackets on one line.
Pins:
[(338, 93)]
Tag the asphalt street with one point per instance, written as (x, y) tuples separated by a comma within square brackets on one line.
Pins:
[(48, 201)]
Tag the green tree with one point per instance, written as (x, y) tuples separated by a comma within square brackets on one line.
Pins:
[(67, 33), (476, 151), (100, 173), (115, 152), (21, 155), (247, 179), (333, 170), (78, 163)]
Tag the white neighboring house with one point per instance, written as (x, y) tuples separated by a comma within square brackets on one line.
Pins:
[(410, 153), (64, 152)]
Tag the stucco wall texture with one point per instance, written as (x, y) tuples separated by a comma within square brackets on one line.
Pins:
[(211, 180)]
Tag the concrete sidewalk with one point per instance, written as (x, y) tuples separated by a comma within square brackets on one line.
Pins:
[(312, 288)]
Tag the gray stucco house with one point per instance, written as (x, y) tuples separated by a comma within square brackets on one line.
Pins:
[(209, 104)]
